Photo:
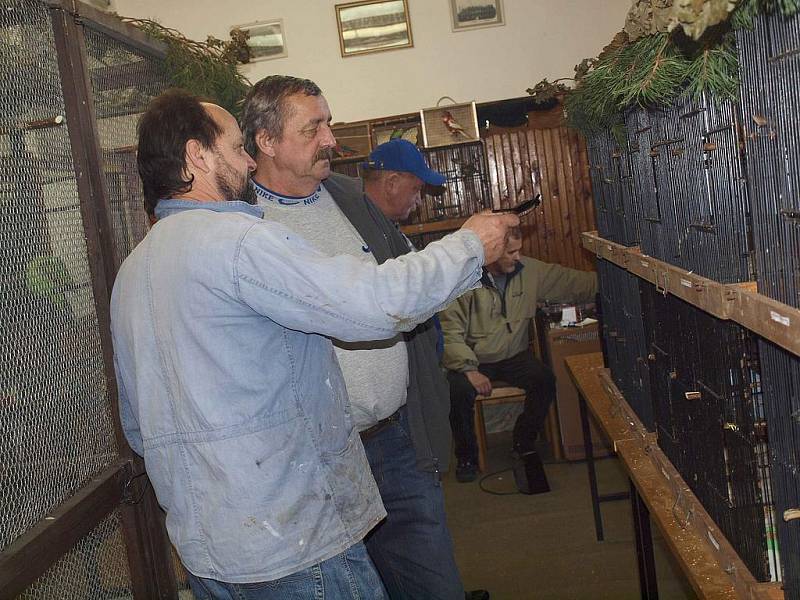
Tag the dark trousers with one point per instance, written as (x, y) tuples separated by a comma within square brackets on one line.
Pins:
[(411, 548), (522, 370)]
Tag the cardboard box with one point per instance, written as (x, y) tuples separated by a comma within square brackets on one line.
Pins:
[(563, 342)]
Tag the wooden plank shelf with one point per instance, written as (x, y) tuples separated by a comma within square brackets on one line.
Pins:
[(740, 302)]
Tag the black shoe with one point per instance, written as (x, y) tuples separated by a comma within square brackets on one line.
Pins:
[(476, 595), (466, 471), (529, 473)]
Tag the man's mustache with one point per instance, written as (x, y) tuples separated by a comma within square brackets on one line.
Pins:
[(324, 154)]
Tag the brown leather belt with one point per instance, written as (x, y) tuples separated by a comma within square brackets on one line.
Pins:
[(380, 425)]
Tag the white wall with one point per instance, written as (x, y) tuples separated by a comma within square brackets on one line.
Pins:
[(541, 38)]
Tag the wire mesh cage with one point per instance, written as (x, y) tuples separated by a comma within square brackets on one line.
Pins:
[(96, 568), (770, 101), (675, 185), (54, 409), (709, 412), (123, 81), (72, 90), (623, 333), (466, 190), (770, 107), (617, 203)]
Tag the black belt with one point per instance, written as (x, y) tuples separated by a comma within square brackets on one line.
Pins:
[(380, 425)]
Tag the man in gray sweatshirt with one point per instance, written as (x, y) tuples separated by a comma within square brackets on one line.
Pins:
[(398, 395)]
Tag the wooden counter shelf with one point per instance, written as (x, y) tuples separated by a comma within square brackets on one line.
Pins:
[(738, 302), (658, 492)]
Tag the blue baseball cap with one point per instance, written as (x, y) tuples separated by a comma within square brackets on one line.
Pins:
[(402, 155)]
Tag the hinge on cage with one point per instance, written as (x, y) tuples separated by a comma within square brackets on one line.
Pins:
[(791, 215)]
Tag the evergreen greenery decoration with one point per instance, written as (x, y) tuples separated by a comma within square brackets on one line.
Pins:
[(656, 68), (207, 69)]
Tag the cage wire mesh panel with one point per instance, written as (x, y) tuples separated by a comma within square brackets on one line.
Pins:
[(624, 337), (55, 420), (617, 204), (710, 420), (466, 190), (769, 60), (123, 82), (673, 182), (96, 568)]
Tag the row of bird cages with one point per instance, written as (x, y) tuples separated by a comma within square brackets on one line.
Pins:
[(672, 180), (714, 192), (616, 206), (696, 381), (769, 64), (780, 383), (624, 343), (708, 408)]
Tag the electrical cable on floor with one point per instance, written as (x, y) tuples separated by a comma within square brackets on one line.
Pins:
[(495, 474)]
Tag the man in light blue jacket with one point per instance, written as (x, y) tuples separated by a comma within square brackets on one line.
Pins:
[(235, 402)]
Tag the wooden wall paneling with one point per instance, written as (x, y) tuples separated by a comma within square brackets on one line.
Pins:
[(518, 169), (571, 201), (564, 210), (551, 160), (533, 226), (577, 209), (573, 143), (585, 197), (494, 162), (538, 224), (555, 233)]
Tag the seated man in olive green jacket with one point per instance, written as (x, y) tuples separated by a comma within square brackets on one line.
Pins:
[(486, 338)]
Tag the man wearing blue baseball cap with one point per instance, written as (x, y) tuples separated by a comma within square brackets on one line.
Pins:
[(394, 177)]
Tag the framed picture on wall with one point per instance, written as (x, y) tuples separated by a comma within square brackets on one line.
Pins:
[(266, 39), (373, 26), (471, 14), (448, 125), (403, 129)]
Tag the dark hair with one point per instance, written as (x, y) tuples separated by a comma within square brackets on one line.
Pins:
[(514, 233), (265, 107), (171, 120)]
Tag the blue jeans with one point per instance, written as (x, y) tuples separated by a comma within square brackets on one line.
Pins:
[(411, 548), (348, 575)]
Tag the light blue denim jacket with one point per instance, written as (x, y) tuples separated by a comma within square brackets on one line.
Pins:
[(232, 394)]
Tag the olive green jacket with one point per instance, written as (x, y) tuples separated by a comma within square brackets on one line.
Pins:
[(482, 327)]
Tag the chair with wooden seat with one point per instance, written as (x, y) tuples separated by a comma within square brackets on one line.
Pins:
[(502, 394)]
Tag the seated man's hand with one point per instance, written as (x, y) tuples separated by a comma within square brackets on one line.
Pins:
[(491, 229), (480, 382)]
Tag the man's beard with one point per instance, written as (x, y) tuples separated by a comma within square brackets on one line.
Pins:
[(231, 189)]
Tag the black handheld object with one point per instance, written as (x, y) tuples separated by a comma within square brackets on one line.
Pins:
[(523, 208)]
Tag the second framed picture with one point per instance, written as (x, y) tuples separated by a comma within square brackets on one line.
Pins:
[(373, 26), (471, 14)]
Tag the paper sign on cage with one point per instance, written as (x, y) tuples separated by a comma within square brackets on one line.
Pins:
[(447, 125)]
